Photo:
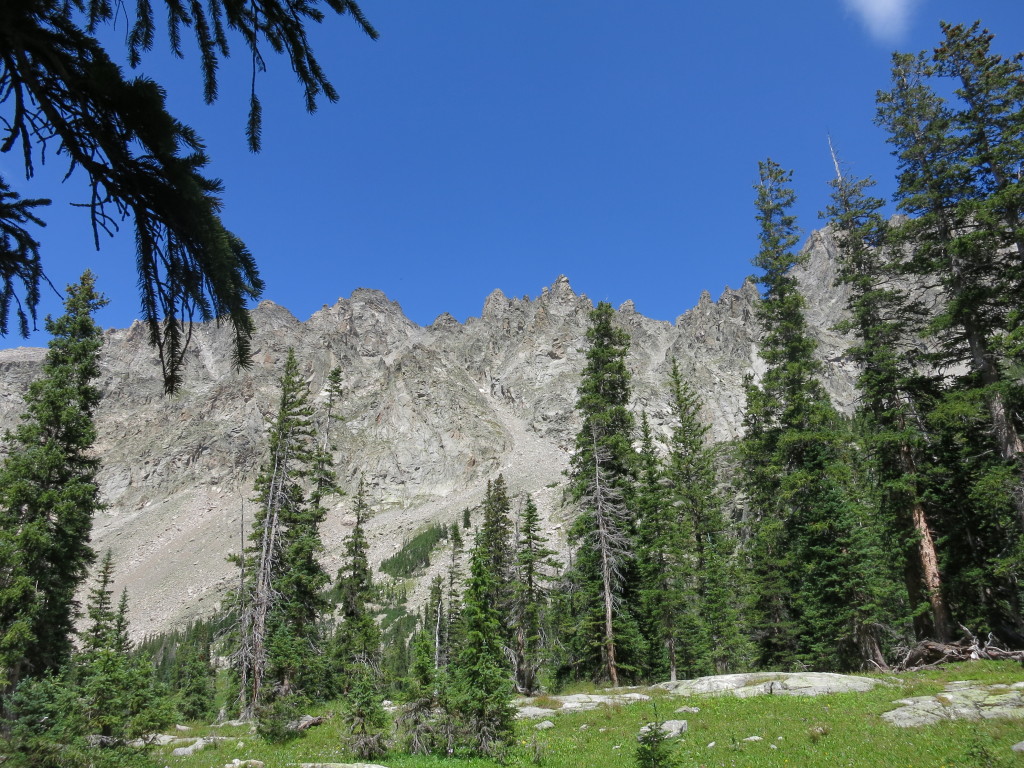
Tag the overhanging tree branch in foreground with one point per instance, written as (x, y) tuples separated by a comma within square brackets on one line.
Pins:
[(62, 95)]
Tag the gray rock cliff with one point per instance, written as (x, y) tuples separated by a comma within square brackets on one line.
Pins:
[(430, 414)]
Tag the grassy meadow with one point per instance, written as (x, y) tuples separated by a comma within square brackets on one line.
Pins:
[(835, 730)]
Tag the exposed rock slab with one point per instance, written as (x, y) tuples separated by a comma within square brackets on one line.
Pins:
[(576, 702), (960, 700), (771, 684)]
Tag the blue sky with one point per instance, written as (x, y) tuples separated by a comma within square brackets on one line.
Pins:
[(480, 145)]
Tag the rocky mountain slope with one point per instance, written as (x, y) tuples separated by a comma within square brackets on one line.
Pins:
[(430, 414)]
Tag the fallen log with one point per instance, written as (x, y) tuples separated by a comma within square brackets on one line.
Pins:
[(929, 654)]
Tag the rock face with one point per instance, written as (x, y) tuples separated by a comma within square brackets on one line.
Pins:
[(770, 684), (430, 414), (961, 700)]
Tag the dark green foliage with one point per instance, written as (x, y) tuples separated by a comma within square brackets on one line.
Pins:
[(355, 581), (814, 550), (666, 567), (959, 156), (602, 402), (495, 540), (274, 717), (535, 571), (19, 259), (183, 662), (366, 719), (195, 682), (480, 693), (116, 693), (283, 595), (48, 495), (64, 97), (103, 691), (654, 749), (958, 181), (688, 587), (495, 535), (600, 634), (886, 323), (415, 552)]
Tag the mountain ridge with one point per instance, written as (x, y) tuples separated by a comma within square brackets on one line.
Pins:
[(430, 413)]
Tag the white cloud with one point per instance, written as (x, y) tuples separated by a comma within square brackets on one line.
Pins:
[(886, 20)]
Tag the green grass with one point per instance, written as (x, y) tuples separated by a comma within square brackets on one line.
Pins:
[(840, 730)]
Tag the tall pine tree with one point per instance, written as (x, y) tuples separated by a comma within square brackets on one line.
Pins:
[(603, 633), (283, 590), (886, 322), (535, 570), (813, 567), (48, 495)]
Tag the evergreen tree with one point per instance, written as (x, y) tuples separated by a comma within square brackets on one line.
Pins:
[(603, 635), (693, 495), (117, 692), (100, 608), (481, 689), (195, 680), (48, 495), (535, 570), (496, 539), (356, 644), (283, 595), (104, 693), (665, 566), (957, 159), (956, 182), (810, 559), (355, 579), (886, 322)]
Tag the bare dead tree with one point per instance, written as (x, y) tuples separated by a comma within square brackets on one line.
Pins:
[(608, 539)]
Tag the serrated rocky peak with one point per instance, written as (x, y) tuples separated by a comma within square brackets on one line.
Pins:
[(429, 415)]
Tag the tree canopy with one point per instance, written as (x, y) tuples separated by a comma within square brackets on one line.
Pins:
[(62, 95)]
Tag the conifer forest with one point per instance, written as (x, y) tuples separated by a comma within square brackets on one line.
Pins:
[(823, 539)]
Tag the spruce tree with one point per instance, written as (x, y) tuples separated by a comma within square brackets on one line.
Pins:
[(118, 693), (355, 645), (49, 494), (603, 634), (283, 592), (955, 183), (666, 568), (811, 563), (886, 322), (957, 156), (481, 688), (495, 537), (535, 570), (692, 492)]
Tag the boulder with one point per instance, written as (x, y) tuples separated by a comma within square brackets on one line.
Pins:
[(670, 728), (196, 746)]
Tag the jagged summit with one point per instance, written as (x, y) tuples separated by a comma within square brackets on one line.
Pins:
[(429, 415)]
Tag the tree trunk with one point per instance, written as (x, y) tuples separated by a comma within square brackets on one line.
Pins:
[(926, 560)]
